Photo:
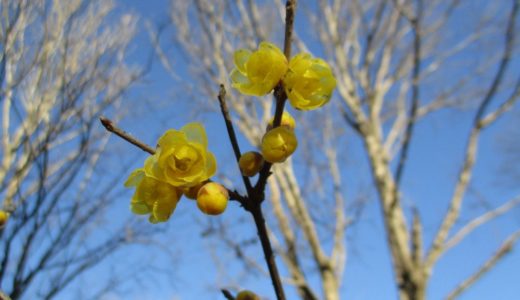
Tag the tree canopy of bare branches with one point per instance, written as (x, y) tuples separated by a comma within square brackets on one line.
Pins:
[(62, 64)]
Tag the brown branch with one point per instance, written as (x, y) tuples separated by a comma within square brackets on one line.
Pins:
[(290, 8), (504, 249), (111, 127), (231, 132)]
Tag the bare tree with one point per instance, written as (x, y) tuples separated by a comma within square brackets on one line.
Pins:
[(62, 64), (392, 60)]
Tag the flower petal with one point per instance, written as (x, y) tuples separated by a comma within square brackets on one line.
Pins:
[(135, 178), (240, 58), (195, 132)]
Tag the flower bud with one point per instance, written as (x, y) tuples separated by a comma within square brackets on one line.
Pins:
[(247, 295), (250, 163), (4, 216), (278, 144), (212, 198), (287, 120)]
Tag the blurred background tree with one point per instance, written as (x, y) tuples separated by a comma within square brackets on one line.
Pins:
[(62, 65)]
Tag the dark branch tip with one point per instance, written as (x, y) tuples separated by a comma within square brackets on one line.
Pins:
[(109, 125)]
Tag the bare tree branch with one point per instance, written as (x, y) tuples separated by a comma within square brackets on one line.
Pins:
[(471, 148), (504, 249)]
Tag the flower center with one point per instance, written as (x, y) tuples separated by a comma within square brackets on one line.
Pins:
[(184, 158)]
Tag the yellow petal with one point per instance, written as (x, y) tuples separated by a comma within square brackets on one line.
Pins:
[(211, 165), (139, 208), (135, 178), (162, 209), (240, 58), (195, 132), (171, 138), (271, 47), (238, 79)]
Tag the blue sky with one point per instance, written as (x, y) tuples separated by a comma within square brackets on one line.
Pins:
[(368, 273)]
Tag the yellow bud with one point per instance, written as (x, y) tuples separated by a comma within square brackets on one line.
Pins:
[(212, 198), (250, 163), (247, 295), (287, 121), (4, 216), (278, 144)]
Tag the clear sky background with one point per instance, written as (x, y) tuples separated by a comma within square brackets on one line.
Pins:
[(190, 271)]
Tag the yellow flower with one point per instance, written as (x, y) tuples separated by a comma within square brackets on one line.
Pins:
[(287, 120), (278, 144), (258, 72), (152, 196), (212, 198), (250, 163), (4, 216), (309, 82), (247, 295), (182, 158)]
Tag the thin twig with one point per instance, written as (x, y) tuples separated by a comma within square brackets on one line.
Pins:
[(227, 294), (268, 251), (416, 24), (480, 220), (464, 177), (504, 249), (231, 132), (290, 8), (111, 127)]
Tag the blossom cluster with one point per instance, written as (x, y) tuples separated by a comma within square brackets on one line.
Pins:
[(308, 83), (182, 164)]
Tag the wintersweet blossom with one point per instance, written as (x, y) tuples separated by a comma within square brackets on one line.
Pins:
[(278, 144), (258, 72), (182, 158), (309, 82), (212, 198), (152, 196)]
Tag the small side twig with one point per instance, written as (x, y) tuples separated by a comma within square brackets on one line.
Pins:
[(505, 248), (111, 127), (227, 294)]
